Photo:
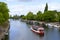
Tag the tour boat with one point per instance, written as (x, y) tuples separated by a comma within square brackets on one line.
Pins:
[(39, 30)]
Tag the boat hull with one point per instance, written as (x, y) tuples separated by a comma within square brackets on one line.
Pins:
[(41, 33)]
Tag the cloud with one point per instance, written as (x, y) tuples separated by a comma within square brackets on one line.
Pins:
[(25, 0), (20, 0), (24, 9), (54, 6), (11, 0), (24, 6)]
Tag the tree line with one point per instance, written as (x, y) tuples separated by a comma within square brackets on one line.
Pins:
[(47, 15), (14, 17)]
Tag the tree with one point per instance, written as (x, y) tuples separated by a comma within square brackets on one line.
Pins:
[(24, 17), (39, 12), (21, 16), (30, 16), (39, 16), (16, 17), (4, 12), (1, 18), (49, 16), (10, 17), (58, 13), (34, 17), (46, 8)]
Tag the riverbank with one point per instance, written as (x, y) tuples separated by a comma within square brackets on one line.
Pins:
[(50, 24), (4, 29)]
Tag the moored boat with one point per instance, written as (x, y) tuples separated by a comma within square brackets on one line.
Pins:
[(39, 30)]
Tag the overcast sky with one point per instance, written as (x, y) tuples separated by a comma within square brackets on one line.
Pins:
[(21, 7)]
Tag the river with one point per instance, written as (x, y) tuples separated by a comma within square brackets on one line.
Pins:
[(21, 31)]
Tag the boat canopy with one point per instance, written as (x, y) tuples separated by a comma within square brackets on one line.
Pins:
[(40, 28)]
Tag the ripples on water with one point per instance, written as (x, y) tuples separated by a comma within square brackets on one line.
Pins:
[(21, 31)]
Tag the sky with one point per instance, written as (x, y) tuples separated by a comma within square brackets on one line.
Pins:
[(22, 7)]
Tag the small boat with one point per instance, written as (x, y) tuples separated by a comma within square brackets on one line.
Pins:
[(38, 30), (29, 22)]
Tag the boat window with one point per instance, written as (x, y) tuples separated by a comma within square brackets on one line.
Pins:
[(36, 24)]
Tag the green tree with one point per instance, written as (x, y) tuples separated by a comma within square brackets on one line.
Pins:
[(34, 17), (24, 17), (1, 18), (58, 13), (4, 10), (49, 16), (6, 16), (30, 16), (10, 17), (39, 16), (16, 17), (46, 8), (21, 16)]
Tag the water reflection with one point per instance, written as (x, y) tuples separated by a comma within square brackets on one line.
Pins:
[(52, 34)]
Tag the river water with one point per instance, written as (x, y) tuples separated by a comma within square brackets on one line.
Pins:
[(21, 31)]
